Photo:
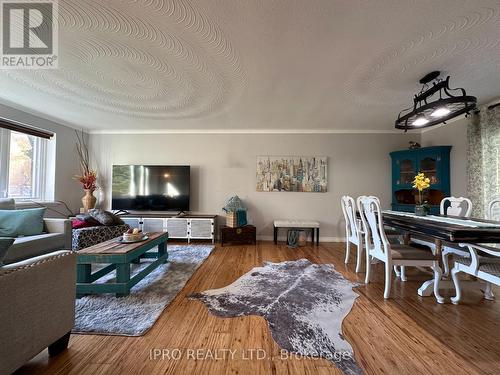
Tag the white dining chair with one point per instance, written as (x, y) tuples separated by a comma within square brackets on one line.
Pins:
[(494, 209), (483, 262), (450, 206), (378, 246), (354, 234), (352, 230)]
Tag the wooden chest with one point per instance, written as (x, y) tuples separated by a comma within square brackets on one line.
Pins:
[(238, 236)]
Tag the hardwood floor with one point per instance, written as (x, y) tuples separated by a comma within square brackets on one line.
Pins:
[(406, 334)]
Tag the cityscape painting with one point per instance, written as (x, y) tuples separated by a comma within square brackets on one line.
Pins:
[(292, 173)]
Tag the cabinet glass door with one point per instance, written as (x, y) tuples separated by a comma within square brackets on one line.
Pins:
[(428, 166), (406, 172)]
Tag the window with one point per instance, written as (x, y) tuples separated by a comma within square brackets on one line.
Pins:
[(22, 165)]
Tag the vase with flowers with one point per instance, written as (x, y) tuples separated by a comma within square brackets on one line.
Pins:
[(87, 176), (421, 183)]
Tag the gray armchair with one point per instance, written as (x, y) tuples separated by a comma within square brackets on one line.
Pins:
[(37, 307)]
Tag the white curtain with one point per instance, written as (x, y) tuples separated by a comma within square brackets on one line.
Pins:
[(483, 157)]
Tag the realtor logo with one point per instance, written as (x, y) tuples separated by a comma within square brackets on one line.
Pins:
[(29, 34)]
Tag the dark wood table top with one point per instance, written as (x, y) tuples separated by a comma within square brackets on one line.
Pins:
[(115, 247), (450, 232)]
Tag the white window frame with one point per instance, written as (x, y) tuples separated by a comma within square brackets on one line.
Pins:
[(39, 171)]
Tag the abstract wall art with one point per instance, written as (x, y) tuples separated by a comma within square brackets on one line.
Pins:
[(292, 173)]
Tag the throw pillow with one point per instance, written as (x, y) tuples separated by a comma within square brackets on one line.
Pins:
[(77, 224), (105, 217), (7, 204), (88, 219), (4, 246), (15, 223)]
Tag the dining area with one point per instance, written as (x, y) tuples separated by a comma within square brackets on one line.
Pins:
[(458, 252)]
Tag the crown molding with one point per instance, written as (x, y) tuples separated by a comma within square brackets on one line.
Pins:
[(244, 131)]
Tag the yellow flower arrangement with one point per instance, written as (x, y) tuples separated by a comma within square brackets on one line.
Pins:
[(421, 183)]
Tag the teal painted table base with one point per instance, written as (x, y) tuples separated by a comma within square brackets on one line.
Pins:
[(85, 279)]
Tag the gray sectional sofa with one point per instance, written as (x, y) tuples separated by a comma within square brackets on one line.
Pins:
[(56, 236)]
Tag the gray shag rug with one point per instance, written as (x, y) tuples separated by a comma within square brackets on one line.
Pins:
[(303, 303), (136, 313)]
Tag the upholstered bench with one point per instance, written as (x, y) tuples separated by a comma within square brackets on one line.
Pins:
[(90, 236), (297, 224)]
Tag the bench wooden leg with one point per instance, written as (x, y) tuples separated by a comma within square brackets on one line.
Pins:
[(317, 236), (275, 235), (312, 235)]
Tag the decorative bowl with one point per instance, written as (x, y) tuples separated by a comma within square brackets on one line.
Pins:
[(130, 237)]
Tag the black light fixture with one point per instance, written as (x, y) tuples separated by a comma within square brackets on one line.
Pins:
[(435, 104)]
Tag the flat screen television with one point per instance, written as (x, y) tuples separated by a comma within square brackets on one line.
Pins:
[(150, 188)]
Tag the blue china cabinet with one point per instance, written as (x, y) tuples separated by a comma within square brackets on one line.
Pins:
[(434, 162)]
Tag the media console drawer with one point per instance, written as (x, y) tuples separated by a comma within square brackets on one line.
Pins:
[(239, 235)]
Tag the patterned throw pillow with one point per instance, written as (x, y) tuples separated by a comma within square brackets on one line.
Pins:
[(5, 243), (105, 217)]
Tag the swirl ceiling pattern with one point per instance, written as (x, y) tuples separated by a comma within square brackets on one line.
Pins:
[(225, 65), (117, 57)]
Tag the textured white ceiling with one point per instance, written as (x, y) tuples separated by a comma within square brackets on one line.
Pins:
[(262, 65)]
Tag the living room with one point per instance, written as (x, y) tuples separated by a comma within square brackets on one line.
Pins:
[(249, 187)]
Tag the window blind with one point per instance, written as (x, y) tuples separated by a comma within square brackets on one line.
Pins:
[(26, 129)]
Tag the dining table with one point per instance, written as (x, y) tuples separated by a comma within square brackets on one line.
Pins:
[(442, 229)]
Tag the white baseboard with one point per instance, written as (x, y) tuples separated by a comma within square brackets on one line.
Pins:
[(321, 238)]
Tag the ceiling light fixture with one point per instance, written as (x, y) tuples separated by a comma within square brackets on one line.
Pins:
[(420, 121), (435, 104), (440, 112)]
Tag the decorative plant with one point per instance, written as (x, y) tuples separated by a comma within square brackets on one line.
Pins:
[(88, 176), (421, 183)]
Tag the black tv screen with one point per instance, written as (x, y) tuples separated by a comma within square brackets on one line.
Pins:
[(150, 188)]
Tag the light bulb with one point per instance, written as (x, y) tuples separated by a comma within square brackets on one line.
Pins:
[(440, 112), (419, 121)]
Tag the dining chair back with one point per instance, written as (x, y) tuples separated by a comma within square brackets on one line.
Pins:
[(378, 246), (352, 229), (453, 206), (371, 218), (494, 209)]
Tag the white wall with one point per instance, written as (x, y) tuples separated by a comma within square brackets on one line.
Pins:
[(454, 134), (66, 161), (225, 164)]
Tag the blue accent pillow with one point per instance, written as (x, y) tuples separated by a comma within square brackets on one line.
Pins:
[(4, 246), (15, 223)]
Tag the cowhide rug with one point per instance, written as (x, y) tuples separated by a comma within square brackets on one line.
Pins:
[(303, 303)]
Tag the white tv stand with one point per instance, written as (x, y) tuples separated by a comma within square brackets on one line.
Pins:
[(200, 227)]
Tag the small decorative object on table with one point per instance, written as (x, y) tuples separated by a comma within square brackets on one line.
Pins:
[(236, 213), (88, 176), (236, 218), (421, 183), (134, 235)]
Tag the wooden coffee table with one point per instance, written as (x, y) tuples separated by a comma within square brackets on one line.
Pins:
[(119, 256)]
